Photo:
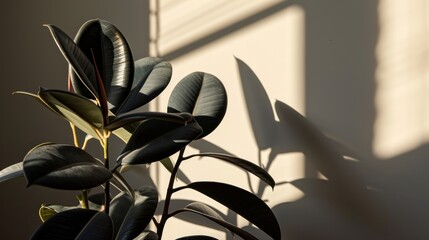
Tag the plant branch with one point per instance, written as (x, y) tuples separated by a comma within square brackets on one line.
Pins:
[(85, 201), (75, 139), (106, 164), (170, 191)]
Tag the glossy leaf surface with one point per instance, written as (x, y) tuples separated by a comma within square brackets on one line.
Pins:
[(76, 224), (243, 203), (155, 140), (130, 118), (77, 59), (202, 95), (139, 215), (13, 171), (244, 164), (80, 111), (119, 208), (197, 237), (205, 211), (151, 76), (63, 166), (104, 43)]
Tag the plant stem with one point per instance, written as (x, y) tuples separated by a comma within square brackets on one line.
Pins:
[(170, 191), (106, 164), (85, 203), (75, 140)]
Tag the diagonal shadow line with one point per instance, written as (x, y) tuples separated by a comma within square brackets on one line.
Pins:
[(227, 30)]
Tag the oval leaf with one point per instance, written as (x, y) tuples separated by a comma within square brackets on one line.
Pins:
[(78, 110), (119, 208), (155, 140), (11, 172), (139, 215), (76, 224), (197, 237), (48, 210), (151, 76), (130, 118), (202, 95), (244, 164), (242, 202), (205, 211), (77, 59), (102, 41), (63, 166)]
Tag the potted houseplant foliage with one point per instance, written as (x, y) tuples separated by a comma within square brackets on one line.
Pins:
[(105, 88)]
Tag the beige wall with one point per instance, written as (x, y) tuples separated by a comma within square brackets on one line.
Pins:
[(30, 59), (356, 69)]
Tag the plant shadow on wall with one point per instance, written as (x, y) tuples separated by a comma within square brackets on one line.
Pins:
[(105, 87), (353, 200)]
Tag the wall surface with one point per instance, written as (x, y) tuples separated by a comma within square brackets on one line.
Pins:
[(31, 59), (358, 71)]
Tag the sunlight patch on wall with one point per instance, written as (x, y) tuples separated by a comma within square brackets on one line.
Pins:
[(182, 22), (402, 77), (272, 47)]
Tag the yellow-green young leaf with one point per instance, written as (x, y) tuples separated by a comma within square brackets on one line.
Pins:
[(48, 210), (78, 224), (11, 172), (80, 111)]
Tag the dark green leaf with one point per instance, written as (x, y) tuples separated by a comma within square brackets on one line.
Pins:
[(129, 118), (155, 140), (121, 184), (96, 201), (244, 164), (147, 235), (205, 211), (197, 237), (101, 40), (77, 59), (119, 208), (76, 224), (63, 167), (78, 110), (11, 172), (140, 215), (242, 202), (151, 76), (202, 95), (124, 133), (46, 211)]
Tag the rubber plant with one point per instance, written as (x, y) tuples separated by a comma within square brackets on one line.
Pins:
[(105, 87)]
